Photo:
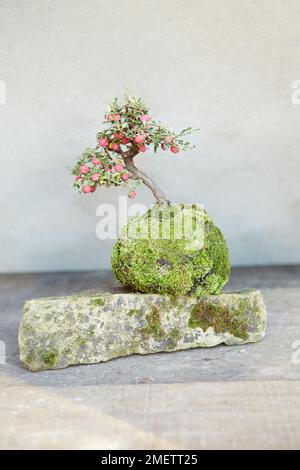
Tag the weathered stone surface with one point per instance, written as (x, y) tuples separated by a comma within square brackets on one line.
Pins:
[(174, 249), (89, 328)]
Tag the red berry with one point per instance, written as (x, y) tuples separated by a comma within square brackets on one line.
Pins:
[(175, 148), (143, 148), (163, 146), (95, 161), (132, 194), (109, 117), (84, 169), (103, 142), (125, 140), (125, 177), (115, 146), (169, 139), (78, 178), (118, 167), (86, 189), (117, 117), (145, 117), (95, 176), (118, 135), (92, 189), (139, 139)]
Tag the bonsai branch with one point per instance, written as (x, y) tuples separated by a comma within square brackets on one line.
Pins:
[(140, 175)]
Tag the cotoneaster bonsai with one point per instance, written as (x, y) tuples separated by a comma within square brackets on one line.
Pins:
[(196, 263)]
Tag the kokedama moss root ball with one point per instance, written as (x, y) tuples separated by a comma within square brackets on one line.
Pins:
[(167, 264)]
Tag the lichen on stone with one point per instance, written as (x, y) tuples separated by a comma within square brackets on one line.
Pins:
[(149, 256), (153, 324), (74, 332)]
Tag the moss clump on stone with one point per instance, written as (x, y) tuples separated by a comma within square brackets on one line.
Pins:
[(50, 358), (154, 327), (80, 341), (175, 333), (133, 312), (221, 318), (98, 301), (150, 257)]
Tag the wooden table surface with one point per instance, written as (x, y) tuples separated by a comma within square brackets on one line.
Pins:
[(239, 397)]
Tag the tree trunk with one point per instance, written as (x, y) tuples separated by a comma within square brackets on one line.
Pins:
[(137, 174)]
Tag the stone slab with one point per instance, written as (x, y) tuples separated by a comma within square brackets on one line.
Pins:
[(95, 327)]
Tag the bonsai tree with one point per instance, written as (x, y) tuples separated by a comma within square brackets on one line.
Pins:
[(197, 261), (128, 130)]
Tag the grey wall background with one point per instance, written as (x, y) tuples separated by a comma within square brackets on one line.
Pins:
[(225, 65)]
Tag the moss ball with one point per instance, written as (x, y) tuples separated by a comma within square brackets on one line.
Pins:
[(174, 249)]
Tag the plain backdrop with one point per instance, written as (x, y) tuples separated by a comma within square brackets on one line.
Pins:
[(227, 66)]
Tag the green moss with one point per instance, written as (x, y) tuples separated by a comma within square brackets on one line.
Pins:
[(175, 333), (153, 327), (213, 262), (98, 301), (50, 358), (166, 264), (133, 312), (221, 318), (79, 341), (92, 296)]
